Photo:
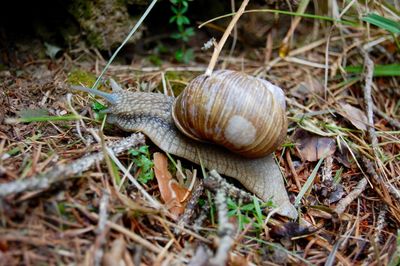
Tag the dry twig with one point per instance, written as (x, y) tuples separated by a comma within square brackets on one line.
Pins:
[(225, 231), (215, 182), (190, 207), (342, 205), (378, 179), (62, 172), (218, 47), (369, 64), (101, 230)]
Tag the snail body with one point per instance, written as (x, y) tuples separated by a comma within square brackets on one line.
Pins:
[(152, 114)]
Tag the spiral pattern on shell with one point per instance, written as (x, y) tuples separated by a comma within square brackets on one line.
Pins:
[(240, 112)]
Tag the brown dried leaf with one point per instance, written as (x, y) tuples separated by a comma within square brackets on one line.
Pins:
[(289, 230), (238, 260), (201, 257), (308, 87), (312, 147), (344, 156), (354, 115), (114, 256), (172, 193)]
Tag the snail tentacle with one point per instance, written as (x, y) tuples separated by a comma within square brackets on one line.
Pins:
[(109, 97)]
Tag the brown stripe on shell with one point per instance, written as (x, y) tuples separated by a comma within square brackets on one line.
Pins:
[(210, 104)]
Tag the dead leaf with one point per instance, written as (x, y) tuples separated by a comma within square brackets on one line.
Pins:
[(172, 193), (237, 260), (114, 256), (336, 194), (307, 88), (354, 115), (312, 147), (343, 155), (289, 230), (201, 257)]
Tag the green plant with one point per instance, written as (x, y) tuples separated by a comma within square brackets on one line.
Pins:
[(396, 256), (179, 8), (141, 157), (97, 107), (383, 23), (249, 212)]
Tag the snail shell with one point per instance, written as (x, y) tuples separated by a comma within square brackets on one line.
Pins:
[(240, 112)]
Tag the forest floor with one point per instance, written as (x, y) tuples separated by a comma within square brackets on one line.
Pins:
[(340, 160)]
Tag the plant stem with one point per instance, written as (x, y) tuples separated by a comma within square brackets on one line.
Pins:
[(218, 47), (96, 84)]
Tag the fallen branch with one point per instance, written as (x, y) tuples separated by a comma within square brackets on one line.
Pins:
[(377, 237), (218, 47), (121, 229), (369, 65), (65, 171), (225, 231), (190, 207), (379, 180), (391, 120), (215, 182), (342, 205), (101, 230)]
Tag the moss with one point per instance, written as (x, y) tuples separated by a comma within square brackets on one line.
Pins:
[(181, 77), (78, 76), (96, 40), (106, 22), (81, 8), (135, 2)]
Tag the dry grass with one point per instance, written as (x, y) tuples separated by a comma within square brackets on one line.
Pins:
[(351, 212)]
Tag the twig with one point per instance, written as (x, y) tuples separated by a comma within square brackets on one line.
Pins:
[(225, 231), (293, 170), (378, 179), (64, 171), (112, 155), (215, 182), (376, 241), (285, 42), (234, 40), (119, 228), (392, 121), (218, 47), (342, 205), (203, 216), (187, 231), (368, 101), (115, 255), (190, 207), (101, 230)]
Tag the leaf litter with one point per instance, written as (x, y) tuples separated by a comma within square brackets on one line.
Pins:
[(351, 200)]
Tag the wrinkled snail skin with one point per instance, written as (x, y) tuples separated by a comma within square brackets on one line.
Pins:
[(150, 113), (156, 123)]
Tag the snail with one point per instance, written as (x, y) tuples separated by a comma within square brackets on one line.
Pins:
[(243, 115)]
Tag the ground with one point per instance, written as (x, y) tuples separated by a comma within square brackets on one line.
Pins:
[(340, 159)]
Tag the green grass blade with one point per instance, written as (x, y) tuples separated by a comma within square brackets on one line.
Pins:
[(124, 42), (284, 12), (379, 70), (42, 119), (382, 22), (258, 215), (308, 183)]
